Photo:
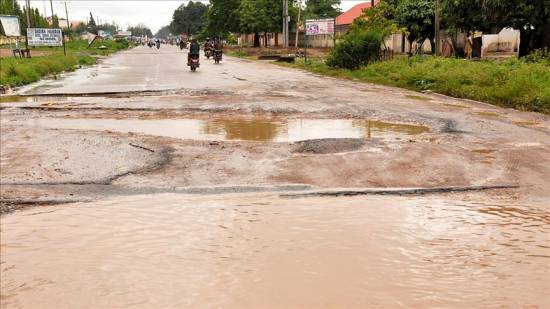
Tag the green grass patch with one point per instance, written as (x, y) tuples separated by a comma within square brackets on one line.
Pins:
[(509, 83), (240, 54), (18, 71)]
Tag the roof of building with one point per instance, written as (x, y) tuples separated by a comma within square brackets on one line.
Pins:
[(350, 15)]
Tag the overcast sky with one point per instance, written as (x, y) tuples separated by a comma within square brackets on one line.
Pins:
[(152, 13)]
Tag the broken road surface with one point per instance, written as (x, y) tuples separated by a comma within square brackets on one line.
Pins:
[(246, 178)]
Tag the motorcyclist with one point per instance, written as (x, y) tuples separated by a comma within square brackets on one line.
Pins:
[(194, 50), (207, 45), (218, 47)]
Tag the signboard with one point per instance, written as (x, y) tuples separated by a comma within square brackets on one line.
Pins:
[(124, 33), (44, 37), (11, 25), (319, 26), (104, 34)]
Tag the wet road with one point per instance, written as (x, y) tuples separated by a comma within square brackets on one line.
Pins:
[(133, 239), (144, 69), (263, 251)]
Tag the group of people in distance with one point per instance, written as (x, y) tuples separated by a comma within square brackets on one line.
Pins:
[(214, 46)]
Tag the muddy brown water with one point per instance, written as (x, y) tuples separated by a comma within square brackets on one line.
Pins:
[(259, 250), (245, 129)]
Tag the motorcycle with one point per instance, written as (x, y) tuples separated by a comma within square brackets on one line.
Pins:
[(208, 53), (194, 62), (183, 45), (158, 45), (217, 56)]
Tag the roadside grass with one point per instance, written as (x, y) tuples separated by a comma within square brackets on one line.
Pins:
[(240, 54), (509, 83), (21, 71)]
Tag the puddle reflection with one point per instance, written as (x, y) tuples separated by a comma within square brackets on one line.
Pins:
[(244, 129)]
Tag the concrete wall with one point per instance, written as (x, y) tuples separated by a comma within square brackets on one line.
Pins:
[(503, 44)]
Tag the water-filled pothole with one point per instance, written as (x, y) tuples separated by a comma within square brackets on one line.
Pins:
[(245, 129), (32, 99)]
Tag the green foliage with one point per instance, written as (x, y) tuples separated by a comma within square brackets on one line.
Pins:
[(417, 16), (379, 18), (55, 21), (511, 83), (163, 32), (531, 17), (80, 28), (190, 18), (140, 30), (258, 16), (92, 27), (356, 48), (223, 17), (17, 71), (541, 55), (321, 9)]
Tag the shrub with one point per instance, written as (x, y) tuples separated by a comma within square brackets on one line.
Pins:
[(357, 48), (540, 55)]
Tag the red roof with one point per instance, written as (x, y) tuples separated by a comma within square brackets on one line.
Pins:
[(348, 16)]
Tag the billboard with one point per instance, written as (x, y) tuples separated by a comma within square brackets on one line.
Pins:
[(319, 26), (104, 34), (44, 37), (11, 25)]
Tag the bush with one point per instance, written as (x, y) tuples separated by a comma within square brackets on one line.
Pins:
[(540, 55), (357, 48)]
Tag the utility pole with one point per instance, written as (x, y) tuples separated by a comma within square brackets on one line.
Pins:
[(67, 16), (437, 21), (29, 25), (51, 6), (285, 23), (298, 24)]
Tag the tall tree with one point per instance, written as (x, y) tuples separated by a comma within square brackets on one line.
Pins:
[(418, 17), (140, 30), (261, 16), (55, 21), (163, 32), (190, 18), (92, 27), (223, 17)]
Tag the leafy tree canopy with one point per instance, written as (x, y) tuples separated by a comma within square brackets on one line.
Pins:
[(190, 18), (321, 9), (163, 32), (140, 30)]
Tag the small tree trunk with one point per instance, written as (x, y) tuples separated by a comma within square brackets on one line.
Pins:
[(256, 39), (265, 39), (432, 43)]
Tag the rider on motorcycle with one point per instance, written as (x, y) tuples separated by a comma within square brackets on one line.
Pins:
[(194, 50), (207, 45), (218, 46)]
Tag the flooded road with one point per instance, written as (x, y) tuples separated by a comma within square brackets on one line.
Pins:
[(183, 192), (262, 250), (244, 129)]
